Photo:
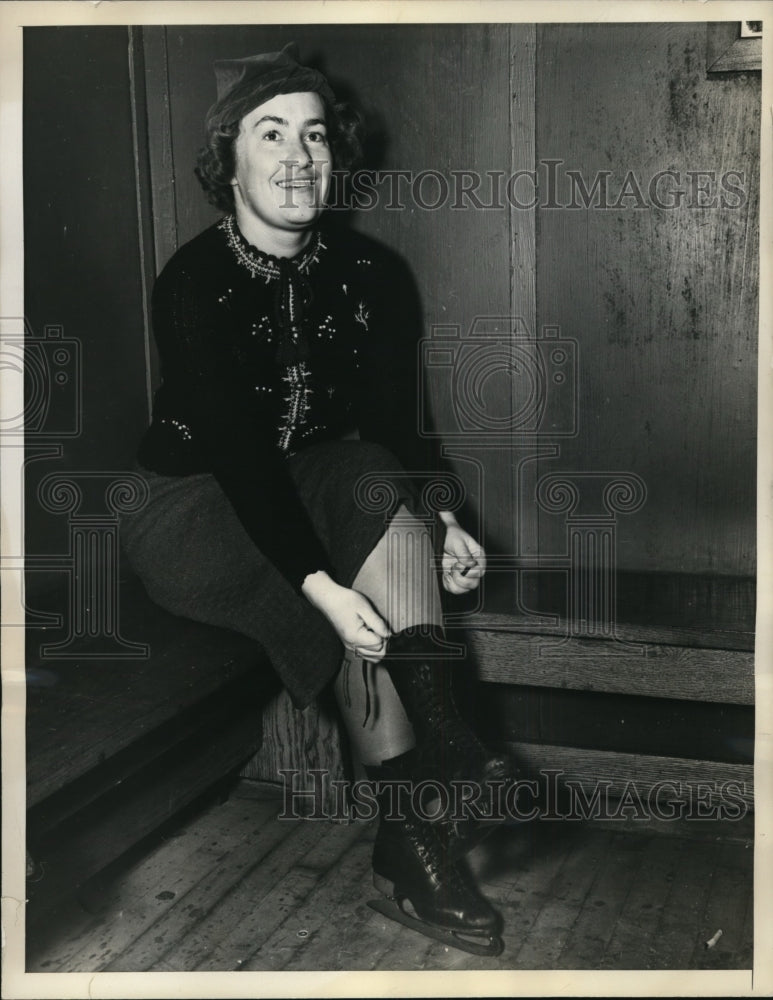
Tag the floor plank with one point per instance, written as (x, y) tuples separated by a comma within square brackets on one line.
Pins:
[(726, 909), (120, 910), (587, 940), (678, 930), (568, 892), (340, 888), (194, 901), (277, 890), (238, 888), (235, 895), (633, 943)]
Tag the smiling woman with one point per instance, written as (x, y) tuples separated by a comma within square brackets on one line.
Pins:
[(284, 469), (216, 164), (282, 175)]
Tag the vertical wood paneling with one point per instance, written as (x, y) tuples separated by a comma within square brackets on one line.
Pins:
[(443, 94), (663, 301), (143, 188), (523, 285), (81, 263), (162, 166), (303, 742)]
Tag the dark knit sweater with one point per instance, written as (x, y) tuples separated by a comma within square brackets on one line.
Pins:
[(262, 356)]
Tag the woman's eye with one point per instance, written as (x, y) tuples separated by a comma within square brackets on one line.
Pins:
[(272, 135), (317, 137)]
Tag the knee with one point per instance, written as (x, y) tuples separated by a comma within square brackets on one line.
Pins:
[(375, 458)]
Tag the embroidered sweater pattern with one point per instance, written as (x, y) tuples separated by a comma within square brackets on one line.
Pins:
[(262, 356)]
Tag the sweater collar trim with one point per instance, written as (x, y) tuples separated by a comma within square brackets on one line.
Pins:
[(266, 265)]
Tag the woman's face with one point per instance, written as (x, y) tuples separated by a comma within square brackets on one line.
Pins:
[(282, 164)]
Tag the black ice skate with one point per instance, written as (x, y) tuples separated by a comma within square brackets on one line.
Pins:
[(426, 891), (448, 750)]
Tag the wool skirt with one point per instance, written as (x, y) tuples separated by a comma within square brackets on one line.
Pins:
[(195, 558)]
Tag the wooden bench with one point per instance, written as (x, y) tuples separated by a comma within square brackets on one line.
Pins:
[(678, 672), (116, 747)]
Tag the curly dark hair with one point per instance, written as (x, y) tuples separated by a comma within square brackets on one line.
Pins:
[(215, 162)]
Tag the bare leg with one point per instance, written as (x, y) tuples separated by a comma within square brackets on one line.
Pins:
[(398, 579), (412, 859)]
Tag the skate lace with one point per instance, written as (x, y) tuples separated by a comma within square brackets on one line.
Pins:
[(366, 682), (442, 716), (433, 854)]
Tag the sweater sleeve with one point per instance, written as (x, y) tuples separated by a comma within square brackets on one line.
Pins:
[(229, 429)]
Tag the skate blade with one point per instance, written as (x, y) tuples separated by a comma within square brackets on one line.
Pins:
[(473, 944)]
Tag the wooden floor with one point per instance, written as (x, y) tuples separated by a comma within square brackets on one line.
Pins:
[(236, 888)]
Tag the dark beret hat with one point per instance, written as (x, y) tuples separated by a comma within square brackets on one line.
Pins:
[(243, 84)]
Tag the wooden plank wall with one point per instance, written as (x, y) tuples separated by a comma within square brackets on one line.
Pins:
[(663, 301), (82, 262)]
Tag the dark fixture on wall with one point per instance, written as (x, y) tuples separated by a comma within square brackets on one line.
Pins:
[(733, 46)]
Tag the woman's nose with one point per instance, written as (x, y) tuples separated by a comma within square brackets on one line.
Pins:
[(299, 152)]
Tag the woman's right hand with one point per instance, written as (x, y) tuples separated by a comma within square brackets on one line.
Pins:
[(360, 627)]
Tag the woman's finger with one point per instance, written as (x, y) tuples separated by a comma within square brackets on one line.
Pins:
[(371, 640), (372, 656), (457, 583), (373, 651), (373, 622), (452, 586)]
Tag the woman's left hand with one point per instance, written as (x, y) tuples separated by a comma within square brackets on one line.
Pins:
[(464, 561)]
